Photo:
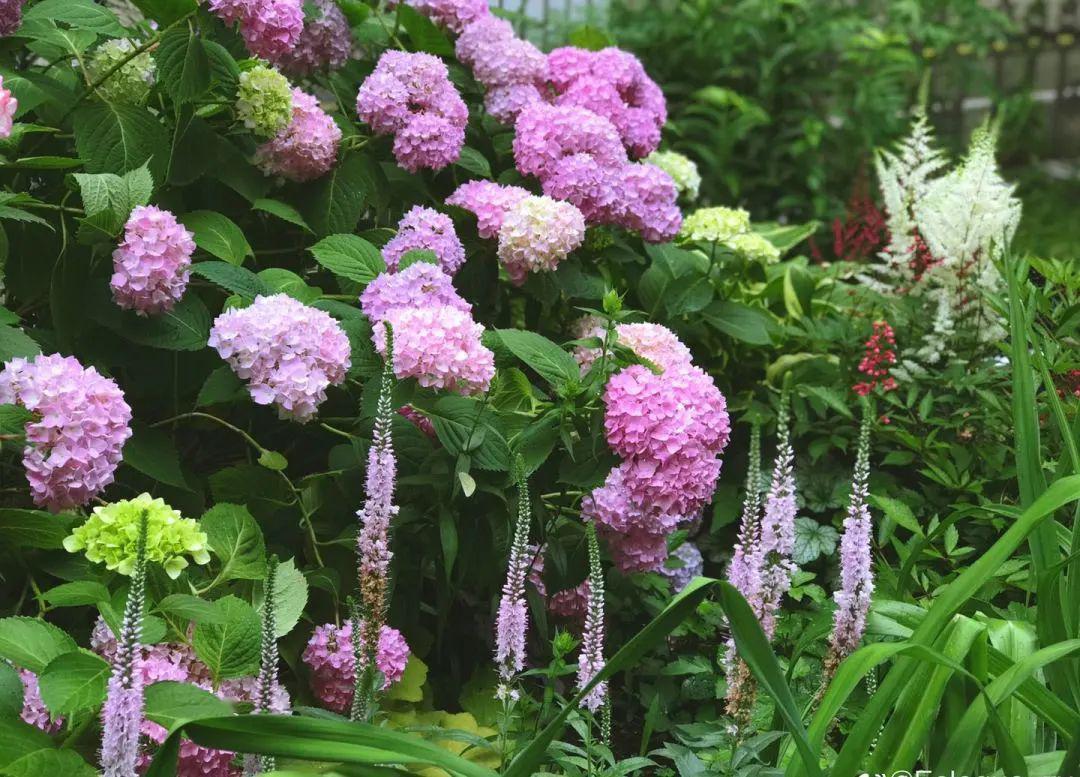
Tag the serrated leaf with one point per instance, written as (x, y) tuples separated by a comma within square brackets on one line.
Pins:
[(812, 539), (474, 162), (184, 328), (423, 33), (287, 282), (291, 597), (81, 14), (117, 138), (183, 67), (49, 761), (282, 210), (189, 608), (171, 704), (76, 594), (549, 360), (349, 256), (218, 235), (74, 682), (233, 278), (15, 342), (11, 692), (229, 647), (898, 512), (34, 528), (273, 460), (235, 538), (338, 198), (31, 644), (462, 427)]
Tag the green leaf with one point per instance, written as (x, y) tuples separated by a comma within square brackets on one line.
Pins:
[(798, 291), (20, 740), (152, 452), (461, 428), (117, 138), (813, 539), (76, 594), (229, 646), (189, 608), (273, 460), (81, 14), (590, 37), (423, 33), (165, 12), (474, 162), (288, 282), (416, 256), (338, 198), (349, 256), (897, 512), (236, 539), (172, 704), (35, 528), (184, 328), (221, 385), (238, 280), (282, 210), (785, 236), (73, 682), (31, 644), (49, 761), (44, 163), (15, 342), (549, 360), (751, 325), (291, 588), (11, 692), (183, 67), (14, 418), (218, 235)]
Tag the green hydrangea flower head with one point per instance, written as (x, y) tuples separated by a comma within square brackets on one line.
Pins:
[(715, 225), (264, 101), (111, 535), (682, 170), (129, 84), (754, 247)]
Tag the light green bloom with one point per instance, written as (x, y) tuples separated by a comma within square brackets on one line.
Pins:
[(754, 247), (682, 170), (132, 82), (111, 535), (264, 101), (715, 225)]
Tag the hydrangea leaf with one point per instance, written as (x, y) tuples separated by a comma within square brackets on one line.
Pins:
[(230, 646), (74, 682)]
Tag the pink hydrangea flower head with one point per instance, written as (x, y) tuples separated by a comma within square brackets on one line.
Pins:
[(482, 35), (329, 655), (272, 28), (612, 507), (544, 134), (567, 64), (649, 204), (76, 439), (656, 343), (383, 102), (231, 11), (440, 346), (34, 710), (681, 485), (287, 351), (418, 285), (8, 106), (10, 16), (307, 148), (150, 266), (636, 551), (509, 61), (428, 142), (324, 44), (683, 565), (425, 228), (570, 604), (590, 186), (536, 234), (597, 95), (505, 103), (454, 15), (489, 201)]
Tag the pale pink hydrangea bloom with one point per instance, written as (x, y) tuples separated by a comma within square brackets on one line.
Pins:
[(8, 106), (81, 423), (682, 484), (452, 14), (419, 285), (536, 234), (329, 655), (512, 70), (428, 142), (649, 197), (324, 44), (270, 28), (656, 343), (489, 201), (612, 508), (440, 347), (546, 134), (636, 551), (150, 266), (307, 148), (425, 228), (287, 351)]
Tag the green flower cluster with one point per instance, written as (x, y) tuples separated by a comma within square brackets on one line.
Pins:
[(682, 170), (132, 82), (730, 227), (111, 536), (264, 101)]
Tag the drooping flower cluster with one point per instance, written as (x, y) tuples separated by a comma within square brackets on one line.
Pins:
[(264, 102), (324, 44), (80, 425), (878, 360), (132, 82), (34, 710), (425, 228), (611, 83), (110, 536), (436, 340), (682, 169), (730, 228), (8, 106), (669, 429), (307, 148), (536, 234), (150, 266), (512, 70), (591, 660), (512, 622), (683, 565), (856, 574), (287, 351), (329, 655), (10, 16), (270, 28), (410, 96)]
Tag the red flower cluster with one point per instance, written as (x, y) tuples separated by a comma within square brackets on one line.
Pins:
[(858, 237), (877, 361), (1069, 383), (921, 259)]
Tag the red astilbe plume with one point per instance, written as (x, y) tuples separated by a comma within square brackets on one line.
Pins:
[(863, 231), (878, 360)]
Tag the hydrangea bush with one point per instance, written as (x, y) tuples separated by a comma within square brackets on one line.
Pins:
[(367, 368)]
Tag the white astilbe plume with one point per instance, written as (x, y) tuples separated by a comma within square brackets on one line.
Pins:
[(968, 218)]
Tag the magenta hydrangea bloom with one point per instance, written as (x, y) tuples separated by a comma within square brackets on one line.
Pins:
[(505, 103), (545, 134), (34, 710), (418, 285), (425, 228), (270, 28), (570, 604), (612, 507), (324, 44), (307, 148), (649, 203), (287, 351), (681, 485), (536, 234), (636, 551), (480, 36), (440, 346), (512, 70), (410, 96), (150, 266), (329, 655), (589, 185), (8, 106), (452, 14), (489, 201), (656, 343), (76, 439), (10, 16), (683, 565)]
